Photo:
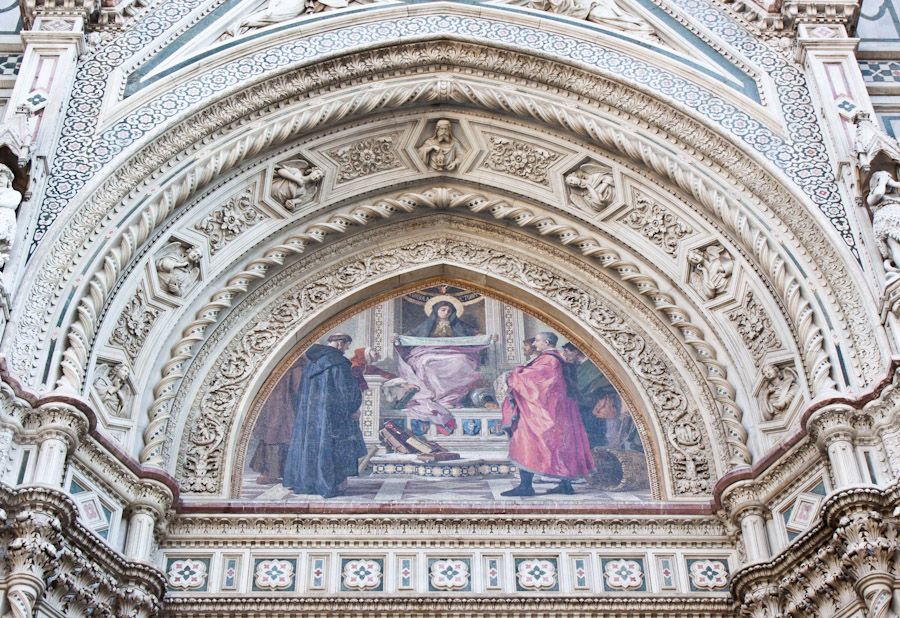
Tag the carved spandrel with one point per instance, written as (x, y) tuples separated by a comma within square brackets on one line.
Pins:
[(366, 157), (520, 159), (754, 327), (134, 324)]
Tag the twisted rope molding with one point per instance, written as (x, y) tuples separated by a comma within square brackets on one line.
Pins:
[(316, 232), (751, 237), (638, 105)]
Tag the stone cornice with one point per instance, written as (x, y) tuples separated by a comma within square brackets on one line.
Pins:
[(495, 607)]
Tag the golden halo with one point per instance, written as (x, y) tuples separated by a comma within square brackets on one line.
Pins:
[(429, 306)]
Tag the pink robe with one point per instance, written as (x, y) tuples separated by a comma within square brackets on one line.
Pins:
[(444, 375), (548, 436)]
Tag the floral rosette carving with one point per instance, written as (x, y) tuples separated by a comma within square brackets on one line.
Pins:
[(274, 574), (186, 574), (536, 574), (623, 574), (362, 574), (449, 574)]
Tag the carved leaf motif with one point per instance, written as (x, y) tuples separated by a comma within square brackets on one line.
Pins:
[(754, 327), (134, 325), (369, 156), (225, 224), (520, 159), (662, 227)]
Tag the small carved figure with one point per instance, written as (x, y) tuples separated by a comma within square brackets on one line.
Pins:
[(277, 11), (178, 267), (870, 140), (884, 199), (780, 389), (296, 183), (441, 151), (591, 187), (113, 389), (606, 13), (9, 201), (711, 270)]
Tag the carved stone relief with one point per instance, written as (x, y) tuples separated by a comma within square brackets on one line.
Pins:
[(201, 457), (228, 222), (134, 324), (295, 183), (366, 157), (178, 267), (754, 327), (517, 158), (711, 270), (114, 389), (609, 14), (441, 152), (278, 11), (657, 224), (779, 389), (591, 187), (884, 200)]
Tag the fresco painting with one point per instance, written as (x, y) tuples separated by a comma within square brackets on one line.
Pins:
[(441, 395)]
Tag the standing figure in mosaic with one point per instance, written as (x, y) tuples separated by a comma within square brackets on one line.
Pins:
[(440, 357), (547, 435), (606, 13), (326, 443), (596, 397), (884, 200), (275, 426), (9, 201)]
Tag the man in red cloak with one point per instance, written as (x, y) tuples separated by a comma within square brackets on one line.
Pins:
[(547, 434)]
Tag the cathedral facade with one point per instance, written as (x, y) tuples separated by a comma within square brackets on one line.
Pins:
[(465, 308)]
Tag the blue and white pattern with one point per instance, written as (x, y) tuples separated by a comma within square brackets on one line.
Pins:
[(880, 71), (187, 574), (10, 63), (79, 157)]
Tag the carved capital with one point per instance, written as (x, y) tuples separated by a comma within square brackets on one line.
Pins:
[(830, 424), (57, 420)]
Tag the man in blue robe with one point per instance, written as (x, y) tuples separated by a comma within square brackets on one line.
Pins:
[(326, 443)]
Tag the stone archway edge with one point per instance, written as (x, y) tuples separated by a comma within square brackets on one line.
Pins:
[(503, 100)]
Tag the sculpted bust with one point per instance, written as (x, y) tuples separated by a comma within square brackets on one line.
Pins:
[(440, 152)]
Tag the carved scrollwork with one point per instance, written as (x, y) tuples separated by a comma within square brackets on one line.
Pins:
[(657, 224)]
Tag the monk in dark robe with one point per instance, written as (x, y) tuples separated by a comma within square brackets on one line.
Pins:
[(326, 442), (547, 435), (274, 427), (592, 387)]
